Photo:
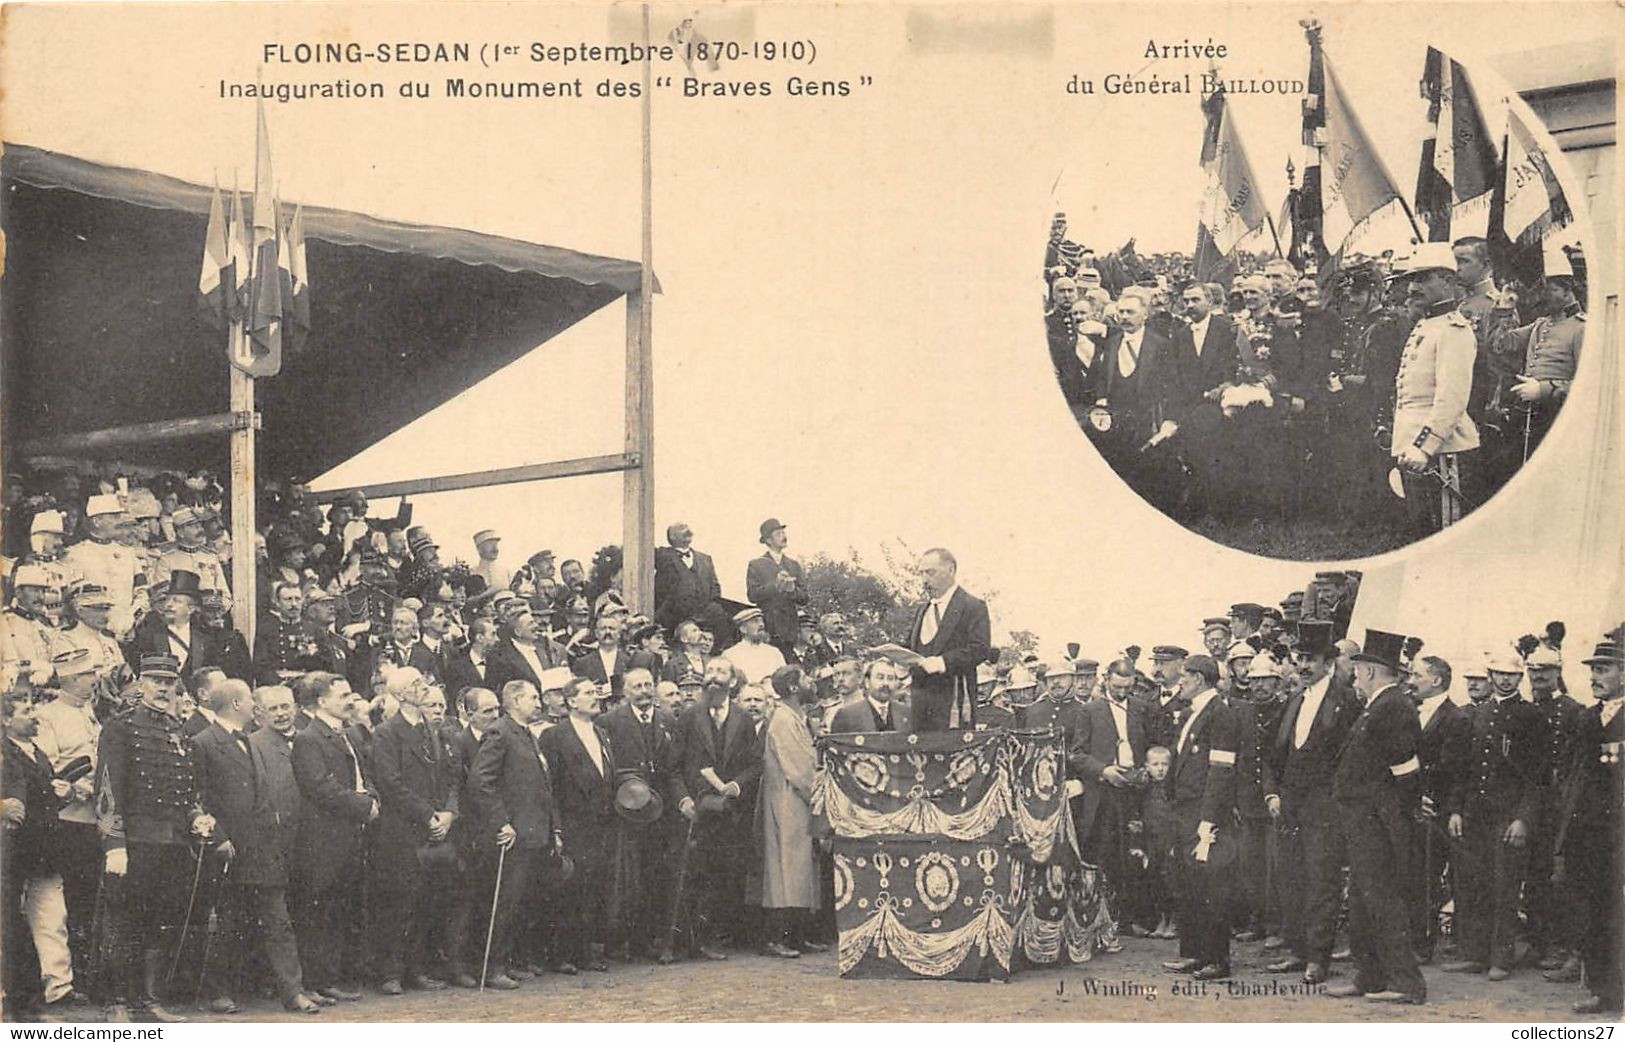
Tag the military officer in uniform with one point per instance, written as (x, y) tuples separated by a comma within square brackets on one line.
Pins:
[(1258, 716), (102, 560), (1166, 711), (192, 554), (1492, 817), (1432, 432), (1548, 351), (149, 817), (1549, 907), (283, 643), (1058, 707), (46, 533), (27, 634), (1588, 843), (91, 609)]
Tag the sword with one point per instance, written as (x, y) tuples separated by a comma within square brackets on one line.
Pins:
[(191, 905)]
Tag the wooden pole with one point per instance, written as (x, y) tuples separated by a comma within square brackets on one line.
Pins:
[(112, 438), (570, 468), (637, 487), (243, 524)]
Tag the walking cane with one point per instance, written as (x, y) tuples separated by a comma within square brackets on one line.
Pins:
[(490, 928), (186, 924), (208, 934), (682, 882)]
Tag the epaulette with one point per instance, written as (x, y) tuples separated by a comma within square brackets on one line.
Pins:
[(1456, 318)]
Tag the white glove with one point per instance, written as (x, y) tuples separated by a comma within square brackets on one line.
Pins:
[(1205, 835), (1074, 787), (117, 862)]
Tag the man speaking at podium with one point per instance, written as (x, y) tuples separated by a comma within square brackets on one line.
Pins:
[(951, 633)]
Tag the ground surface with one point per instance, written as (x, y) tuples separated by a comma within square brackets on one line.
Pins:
[(752, 988)]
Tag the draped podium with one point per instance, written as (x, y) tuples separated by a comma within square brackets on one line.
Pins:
[(954, 855)]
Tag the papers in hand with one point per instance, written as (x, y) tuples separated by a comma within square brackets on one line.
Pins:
[(899, 654)]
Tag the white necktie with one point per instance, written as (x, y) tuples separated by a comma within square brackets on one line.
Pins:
[(928, 627)]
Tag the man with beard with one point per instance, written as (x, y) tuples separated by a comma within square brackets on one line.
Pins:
[(1201, 789), (716, 758), (640, 741), (1376, 786), (148, 813), (1433, 435), (878, 709), (582, 768), (1441, 751), (790, 891), (1314, 726), (1588, 843), (513, 793), (1104, 758), (1491, 813)]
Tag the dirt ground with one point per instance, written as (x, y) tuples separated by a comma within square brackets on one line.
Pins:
[(752, 988)]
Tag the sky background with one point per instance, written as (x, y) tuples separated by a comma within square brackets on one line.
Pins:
[(848, 337)]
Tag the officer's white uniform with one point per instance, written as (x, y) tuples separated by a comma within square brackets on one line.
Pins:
[(1430, 392)]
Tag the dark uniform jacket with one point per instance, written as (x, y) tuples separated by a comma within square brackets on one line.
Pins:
[(147, 783), (1202, 782), (1593, 802), (32, 847), (1503, 778), (512, 785), (232, 783), (1164, 719), (334, 812), (1256, 727), (1561, 716), (416, 779), (280, 645)]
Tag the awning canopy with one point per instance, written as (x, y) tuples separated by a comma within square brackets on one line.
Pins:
[(100, 325)]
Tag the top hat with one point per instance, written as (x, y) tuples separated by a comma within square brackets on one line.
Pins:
[(1314, 637), (1383, 648), (183, 583)]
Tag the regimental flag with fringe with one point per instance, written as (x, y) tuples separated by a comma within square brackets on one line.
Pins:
[(296, 301), (264, 320), (217, 280), (1458, 166), (1232, 207), (1354, 181)]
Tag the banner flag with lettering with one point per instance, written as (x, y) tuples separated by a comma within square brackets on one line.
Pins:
[(296, 301), (1526, 206), (216, 281), (240, 244), (1232, 207), (1354, 181), (264, 323), (1459, 162)]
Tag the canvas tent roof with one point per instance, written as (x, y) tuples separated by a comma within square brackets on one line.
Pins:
[(99, 324)]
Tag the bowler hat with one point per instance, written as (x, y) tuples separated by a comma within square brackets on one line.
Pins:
[(1384, 649), (637, 802), (768, 527)]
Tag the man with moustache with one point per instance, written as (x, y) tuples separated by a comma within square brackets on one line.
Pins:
[(1549, 907), (1258, 718), (774, 583), (148, 813), (609, 661), (952, 633), (1441, 750), (640, 734), (1104, 753), (513, 793), (1058, 707), (877, 710), (1433, 435), (282, 642), (582, 768), (753, 655), (1135, 380), (1376, 786), (35, 922), (686, 584), (1166, 713), (716, 758), (790, 885), (1314, 726), (1588, 842), (523, 653), (688, 662), (481, 710), (1491, 813)]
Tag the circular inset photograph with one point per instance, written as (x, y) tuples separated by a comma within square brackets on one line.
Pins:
[(1324, 315)]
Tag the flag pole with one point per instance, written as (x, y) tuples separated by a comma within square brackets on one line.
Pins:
[(637, 484), (1274, 235), (243, 523)]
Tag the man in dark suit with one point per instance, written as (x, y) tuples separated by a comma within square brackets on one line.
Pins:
[(1587, 847), (1442, 752), (686, 585), (252, 906), (717, 759), (1165, 709), (31, 827), (1108, 745), (582, 765), (640, 734), (513, 793), (171, 630), (1258, 720), (1136, 379), (1492, 813), (472, 668), (774, 583), (523, 653), (1377, 788), (278, 717), (412, 854), (1314, 725), (465, 896), (1205, 357), (338, 803), (952, 632), (877, 710), (609, 661), (1202, 792), (434, 647)]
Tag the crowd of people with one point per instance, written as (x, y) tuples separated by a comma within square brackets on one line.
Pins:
[(1331, 800), (1286, 392), (424, 775)]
